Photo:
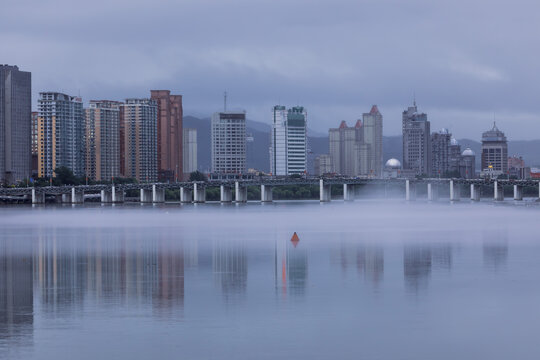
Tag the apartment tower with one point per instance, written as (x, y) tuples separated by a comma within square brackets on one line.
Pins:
[(60, 134), (169, 135), (15, 124)]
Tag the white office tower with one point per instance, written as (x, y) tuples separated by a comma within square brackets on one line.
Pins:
[(288, 143), (229, 142)]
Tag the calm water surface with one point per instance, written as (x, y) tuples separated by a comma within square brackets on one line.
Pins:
[(366, 280)]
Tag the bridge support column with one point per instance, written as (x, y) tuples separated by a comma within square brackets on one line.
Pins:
[(146, 196), (76, 197), (348, 192), (38, 197), (266, 193), (455, 194), (106, 197), (199, 193), (475, 192), (240, 192), (117, 195), (498, 192), (186, 196), (158, 195), (325, 192), (66, 198), (225, 194), (518, 192), (410, 191), (429, 192)]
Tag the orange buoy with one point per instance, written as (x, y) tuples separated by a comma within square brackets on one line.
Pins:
[(295, 239)]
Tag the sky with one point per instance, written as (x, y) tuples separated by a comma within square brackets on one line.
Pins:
[(467, 63)]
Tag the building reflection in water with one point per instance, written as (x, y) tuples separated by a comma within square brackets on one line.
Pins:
[(417, 260), (495, 249), (107, 266), (370, 263), (230, 267), (16, 294), (290, 266)]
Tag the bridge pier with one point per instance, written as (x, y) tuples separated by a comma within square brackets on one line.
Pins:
[(349, 192), (186, 195), (225, 194), (498, 192), (430, 192), (325, 192), (38, 197), (117, 195), (266, 193), (455, 194), (158, 195), (410, 191), (106, 196), (199, 193), (240, 192), (146, 196), (518, 192), (475, 193)]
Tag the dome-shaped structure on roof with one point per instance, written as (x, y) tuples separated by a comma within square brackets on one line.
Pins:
[(468, 152), (393, 164), (453, 141)]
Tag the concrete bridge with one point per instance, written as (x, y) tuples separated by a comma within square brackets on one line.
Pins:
[(195, 192)]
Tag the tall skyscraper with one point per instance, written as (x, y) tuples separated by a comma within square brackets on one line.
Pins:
[(454, 157), (228, 134), (34, 140), (60, 133), (440, 147), (288, 141), (189, 152), (169, 132), (373, 138), (416, 142), (138, 132), (494, 152), (348, 153), (103, 140), (15, 124)]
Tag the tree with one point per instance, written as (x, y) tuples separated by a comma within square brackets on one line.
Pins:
[(64, 176), (197, 176)]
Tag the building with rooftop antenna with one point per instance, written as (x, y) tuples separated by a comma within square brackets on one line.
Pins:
[(494, 153), (416, 142)]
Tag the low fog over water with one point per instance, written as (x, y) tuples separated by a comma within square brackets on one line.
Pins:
[(363, 280)]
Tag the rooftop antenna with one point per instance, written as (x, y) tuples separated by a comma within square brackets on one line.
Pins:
[(225, 101)]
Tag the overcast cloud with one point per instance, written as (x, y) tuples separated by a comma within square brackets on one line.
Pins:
[(466, 61)]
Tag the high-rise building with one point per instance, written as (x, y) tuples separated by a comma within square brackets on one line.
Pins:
[(60, 134), (349, 155), (494, 152), (440, 157), (454, 157), (169, 135), (373, 137), (288, 141), (34, 140), (228, 133), (138, 135), (189, 152), (15, 124), (103, 140), (416, 142), (323, 164)]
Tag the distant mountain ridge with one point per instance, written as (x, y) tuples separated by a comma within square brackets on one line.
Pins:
[(258, 156)]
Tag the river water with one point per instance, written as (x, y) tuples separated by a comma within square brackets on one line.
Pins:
[(363, 280)]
